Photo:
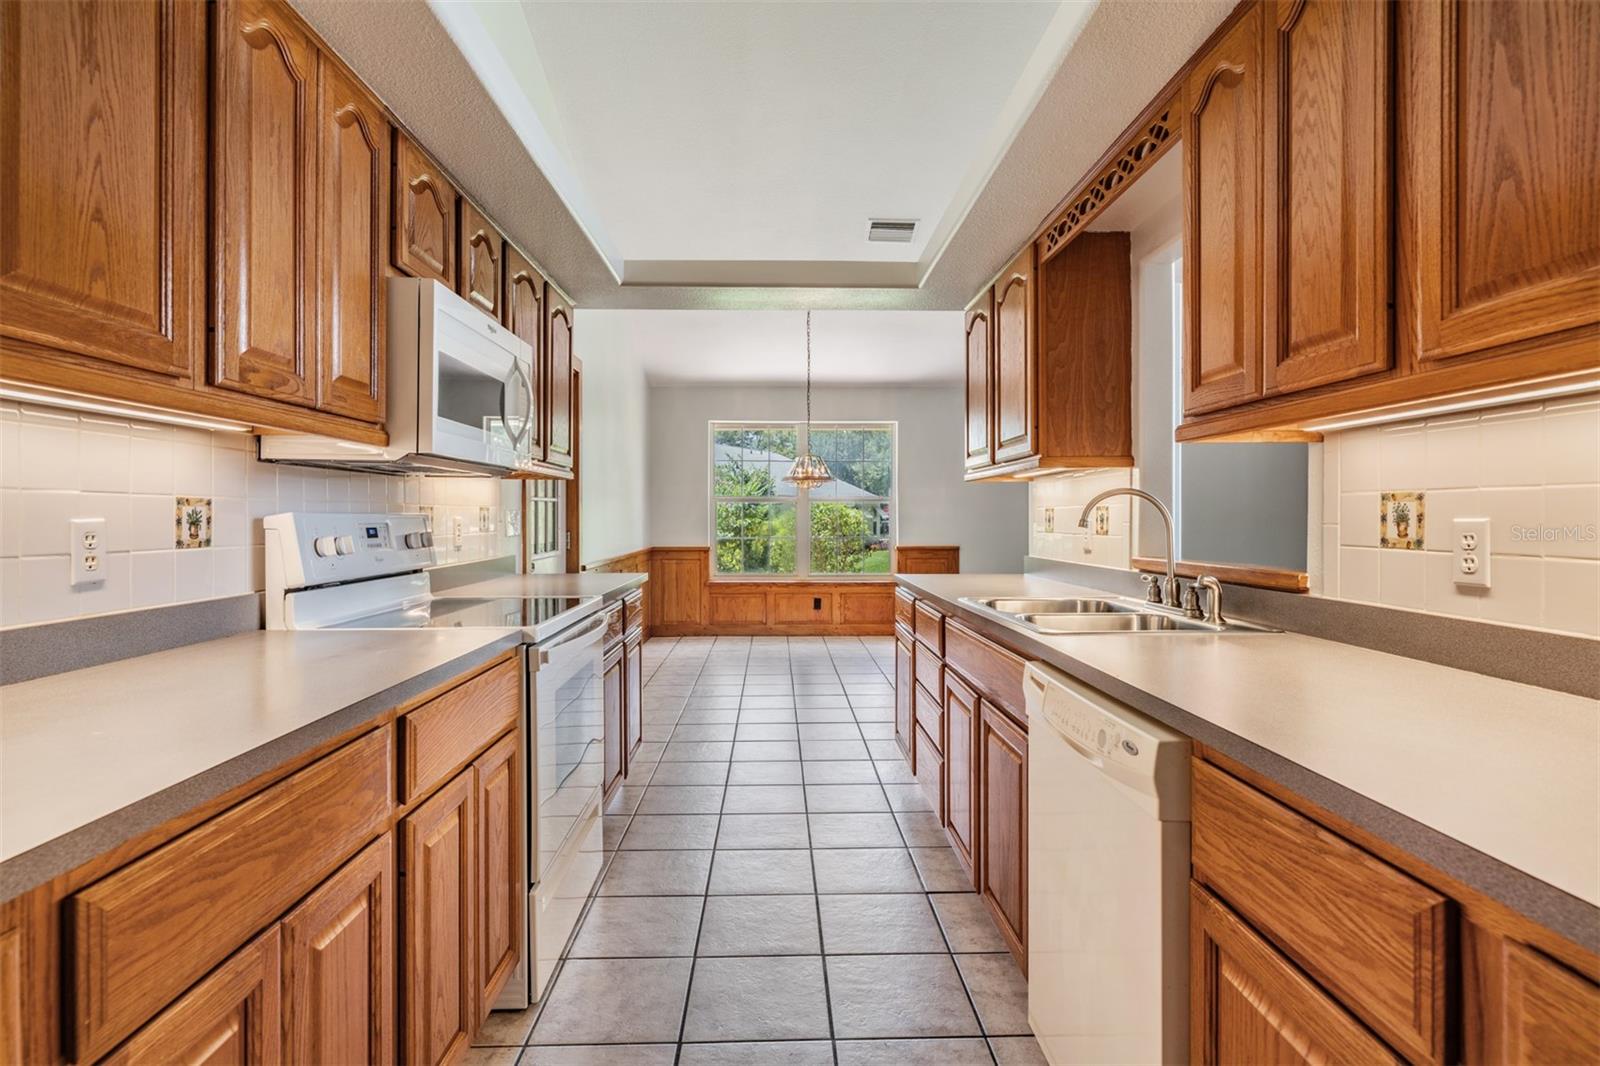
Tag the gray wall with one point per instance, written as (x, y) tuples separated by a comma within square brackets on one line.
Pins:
[(935, 506)]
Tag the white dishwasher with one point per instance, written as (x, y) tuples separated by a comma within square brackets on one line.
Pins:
[(1108, 872)]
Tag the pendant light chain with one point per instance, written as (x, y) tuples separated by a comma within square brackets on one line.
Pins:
[(808, 469)]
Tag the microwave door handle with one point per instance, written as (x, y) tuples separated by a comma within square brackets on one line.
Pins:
[(505, 422)]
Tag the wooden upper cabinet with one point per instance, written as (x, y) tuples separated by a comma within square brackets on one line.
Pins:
[(1002, 865), (560, 419), (480, 261), (501, 900), (1500, 206), (424, 239), (979, 426), (102, 179), (1222, 203), (1249, 1004), (1326, 176), (1015, 372), (339, 964), (353, 230), (440, 980), (231, 1018), (522, 310), (1085, 342), (264, 195)]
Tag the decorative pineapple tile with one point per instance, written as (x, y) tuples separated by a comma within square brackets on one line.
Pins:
[(192, 521), (1400, 520)]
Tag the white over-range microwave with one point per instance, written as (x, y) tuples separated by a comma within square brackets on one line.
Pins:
[(460, 394)]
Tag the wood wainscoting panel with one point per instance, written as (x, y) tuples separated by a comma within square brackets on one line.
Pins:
[(868, 605), (679, 577), (735, 606), (801, 605), (927, 559)]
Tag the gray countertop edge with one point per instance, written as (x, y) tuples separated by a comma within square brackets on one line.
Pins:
[(1536, 900), (24, 872)]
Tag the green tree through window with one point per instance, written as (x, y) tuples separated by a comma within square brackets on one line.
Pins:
[(764, 525)]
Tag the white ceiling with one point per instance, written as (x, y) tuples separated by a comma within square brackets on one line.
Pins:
[(411, 53), (748, 144), (769, 347)]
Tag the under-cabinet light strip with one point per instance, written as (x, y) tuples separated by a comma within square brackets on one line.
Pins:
[(1466, 402), (75, 402)]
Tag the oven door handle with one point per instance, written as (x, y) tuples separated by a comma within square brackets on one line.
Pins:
[(593, 626)]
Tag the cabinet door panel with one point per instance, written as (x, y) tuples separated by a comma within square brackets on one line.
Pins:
[(1248, 1004), (905, 696), (1003, 837), (1498, 143), (440, 893), (633, 700), (1015, 375), (1520, 1005), (561, 420), (1326, 175), (523, 312), (231, 1018), (264, 185), (353, 211), (960, 734), (424, 215), (980, 385), (481, 256), (1222, 221), (498, 772), (102, 113), (611, 685), (339, 965)]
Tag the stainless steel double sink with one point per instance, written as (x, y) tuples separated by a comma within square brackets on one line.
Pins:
[(1108, 615)]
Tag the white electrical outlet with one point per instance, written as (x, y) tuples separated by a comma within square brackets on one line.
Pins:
[(1469, 551), (88, 552)]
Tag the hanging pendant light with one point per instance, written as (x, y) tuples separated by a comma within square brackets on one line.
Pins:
[(808, 470)]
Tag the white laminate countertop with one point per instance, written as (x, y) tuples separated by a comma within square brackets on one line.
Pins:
[(1507, 769), (91, 758)]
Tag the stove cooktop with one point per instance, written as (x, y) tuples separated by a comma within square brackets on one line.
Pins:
[(535, 613)]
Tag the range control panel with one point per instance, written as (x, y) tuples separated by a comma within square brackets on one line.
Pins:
[(306, 549)]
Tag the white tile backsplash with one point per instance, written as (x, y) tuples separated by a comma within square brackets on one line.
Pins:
[(1054, 504), (58, 465), (1533, 470)]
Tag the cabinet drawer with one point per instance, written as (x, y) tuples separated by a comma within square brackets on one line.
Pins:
[(930, 772), (929, 671), (930, 717), (150, 930), (1369, 933), (633, 610), (929, 626), (446, 732), (905, 608), (994, 671)]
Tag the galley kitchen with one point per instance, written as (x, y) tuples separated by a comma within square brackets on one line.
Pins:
[(859, 534)]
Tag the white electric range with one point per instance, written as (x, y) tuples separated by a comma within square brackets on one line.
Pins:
[(369, 571)]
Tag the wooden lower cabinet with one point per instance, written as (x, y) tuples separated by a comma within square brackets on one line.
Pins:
[(339, 965), (632, 698), (438, 892), (497, 776), (611, 683), (1520, 1005), (233, 1017), (1248, 1004), (960, 769), (905, 696), (1002, 864)]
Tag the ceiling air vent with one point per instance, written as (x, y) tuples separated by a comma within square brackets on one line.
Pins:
[(897, 231)]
